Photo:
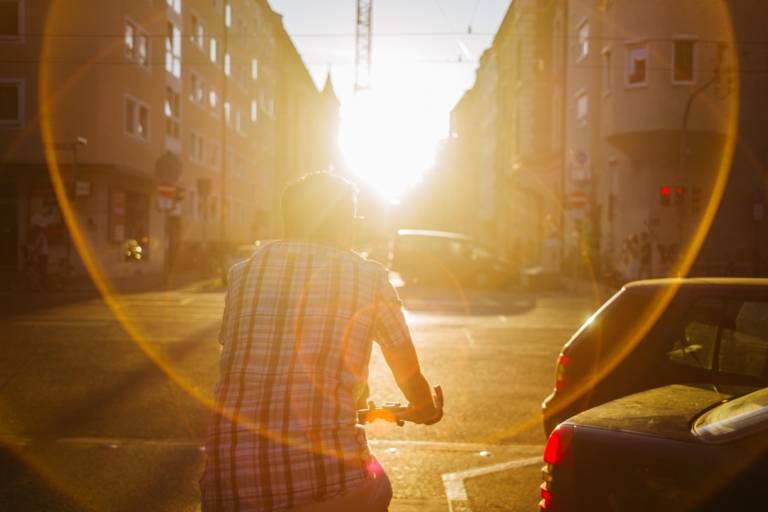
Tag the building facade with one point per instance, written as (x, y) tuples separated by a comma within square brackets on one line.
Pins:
[(508, 130), (652, 109), (165, 122), (613, 124)]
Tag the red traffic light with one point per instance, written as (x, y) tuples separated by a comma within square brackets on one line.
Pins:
[(666, 191)]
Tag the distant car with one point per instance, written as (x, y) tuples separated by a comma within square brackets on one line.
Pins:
[(447, 259), (665, 331), (674, 448), (236, 254)]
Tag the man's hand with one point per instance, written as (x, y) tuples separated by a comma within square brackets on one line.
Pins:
[(427, 414)]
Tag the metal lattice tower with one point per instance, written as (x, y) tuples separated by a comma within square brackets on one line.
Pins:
[(363, 38)]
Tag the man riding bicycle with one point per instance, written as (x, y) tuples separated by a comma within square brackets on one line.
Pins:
[(297, 332)]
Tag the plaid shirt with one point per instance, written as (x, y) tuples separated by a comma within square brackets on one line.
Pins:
[(296, 334)]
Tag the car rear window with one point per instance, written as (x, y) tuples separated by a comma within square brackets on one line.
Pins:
[(610, 324), (734, 419)]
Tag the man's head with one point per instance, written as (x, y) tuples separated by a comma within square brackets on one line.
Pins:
[(321, 207)]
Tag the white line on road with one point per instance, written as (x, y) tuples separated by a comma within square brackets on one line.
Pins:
[(456, 493), (188, 300)]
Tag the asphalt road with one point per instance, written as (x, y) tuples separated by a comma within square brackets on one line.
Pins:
[(102, 403)]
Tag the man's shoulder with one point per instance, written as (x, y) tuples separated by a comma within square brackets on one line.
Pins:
[(369, 266)]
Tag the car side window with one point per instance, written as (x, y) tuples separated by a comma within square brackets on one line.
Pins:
[(744, 340), (694, 342)]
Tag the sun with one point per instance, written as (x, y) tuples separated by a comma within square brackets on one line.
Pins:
[(387, 141)]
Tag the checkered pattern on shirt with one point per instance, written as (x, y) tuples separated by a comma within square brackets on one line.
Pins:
[(296, 334)]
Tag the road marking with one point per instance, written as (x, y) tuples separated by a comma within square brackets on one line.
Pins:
[(468, 335), (456, 493), (188, 300)]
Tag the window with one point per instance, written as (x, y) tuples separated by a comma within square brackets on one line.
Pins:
[(198, 32), (196, 147), (175, 5), (254, 69), (227, 64), (11, 20), (172, 112), (228, 15), (582, 107), (213, 99), (254, 111), (637, 64), (557, 46), (744, 340), (582, 50), (693, 343), (214, 50), (197, 89), (238, 121), (173, 50), (214, 156), (228, 112), (11, 102), (136, 43), (725, 336), (607, 82), (136, 118), (683, 61), (241, 75)]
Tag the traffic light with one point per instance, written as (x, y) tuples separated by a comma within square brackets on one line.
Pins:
[(679, 195), (696, 198), (664, 195)]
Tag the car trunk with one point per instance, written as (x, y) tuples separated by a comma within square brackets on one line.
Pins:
[(638, 453)]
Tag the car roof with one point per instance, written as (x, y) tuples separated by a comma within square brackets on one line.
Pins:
[(433, 233), (699, 282)]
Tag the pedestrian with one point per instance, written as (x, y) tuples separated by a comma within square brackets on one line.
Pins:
[(632, 270), (299, 320), (39, 255), (645, 256)]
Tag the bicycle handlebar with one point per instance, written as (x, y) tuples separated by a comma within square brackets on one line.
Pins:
[(393, 411)]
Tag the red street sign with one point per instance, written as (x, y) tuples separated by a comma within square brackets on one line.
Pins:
[(166, 189), (577, 199)]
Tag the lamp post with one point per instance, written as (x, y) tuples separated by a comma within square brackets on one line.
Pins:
[(683, 149)]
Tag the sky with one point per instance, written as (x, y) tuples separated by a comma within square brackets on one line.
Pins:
[(423, 60)]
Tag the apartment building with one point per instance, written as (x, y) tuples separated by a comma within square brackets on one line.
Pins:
[(613, 122), (509, 122), (162, 119), (652, 109)]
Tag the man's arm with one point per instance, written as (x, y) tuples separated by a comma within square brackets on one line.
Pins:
[(394, 337), (404, 364)]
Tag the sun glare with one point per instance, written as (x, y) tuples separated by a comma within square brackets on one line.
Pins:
[(387, 142)]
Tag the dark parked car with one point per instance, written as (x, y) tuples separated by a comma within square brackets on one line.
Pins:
[(447, 259), (658, 332), (679, 447)]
